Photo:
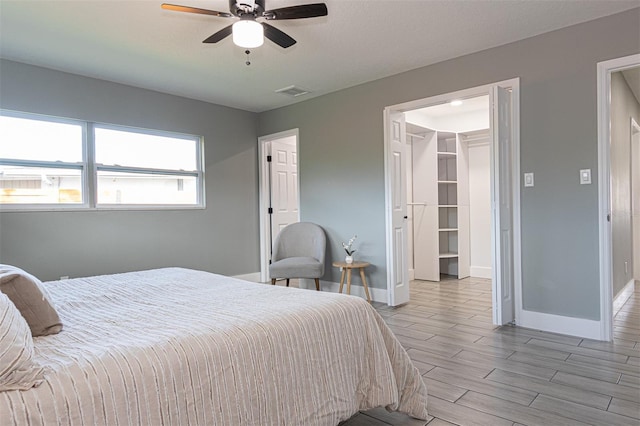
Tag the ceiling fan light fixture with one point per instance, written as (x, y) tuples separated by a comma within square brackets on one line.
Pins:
[(248, 34)]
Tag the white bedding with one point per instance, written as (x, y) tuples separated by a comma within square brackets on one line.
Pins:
[(181, 347)]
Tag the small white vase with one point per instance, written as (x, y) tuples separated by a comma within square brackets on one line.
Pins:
[(348, 259)]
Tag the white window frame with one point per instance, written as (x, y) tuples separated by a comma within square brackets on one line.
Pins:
[(90, 168), (83, 165), (198, 174)]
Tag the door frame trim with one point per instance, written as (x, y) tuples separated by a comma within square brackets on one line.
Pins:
[(514, 84), (263, 185), (604, 71), (635, 169)]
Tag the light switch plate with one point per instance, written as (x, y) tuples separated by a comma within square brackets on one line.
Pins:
[(528, 179), (585, 177)]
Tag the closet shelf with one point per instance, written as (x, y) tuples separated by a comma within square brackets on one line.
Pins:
[(448, 206)]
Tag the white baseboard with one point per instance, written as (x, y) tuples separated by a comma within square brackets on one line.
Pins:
[(481, 271), (253, 277), (623, 296), (559, 324), (377, 294), (412, 274)]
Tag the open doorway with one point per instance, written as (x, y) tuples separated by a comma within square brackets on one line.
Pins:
[(618, 108), (446, 208), (449, 190), (279, 190), (625, 112)]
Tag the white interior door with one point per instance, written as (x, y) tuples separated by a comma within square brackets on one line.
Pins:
[(396, 172), (284, 185), (502, 194), (464, 210), (265, 169)]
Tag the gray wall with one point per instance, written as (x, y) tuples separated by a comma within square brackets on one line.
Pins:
[(223, 238), (624, 105), (341, 154), (341, 167)]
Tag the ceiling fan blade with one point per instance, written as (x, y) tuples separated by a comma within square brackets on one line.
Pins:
[(297, 12), (277, 36), (226, 31), (178, 8)]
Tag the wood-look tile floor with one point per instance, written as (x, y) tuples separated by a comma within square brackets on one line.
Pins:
[(480, 374)]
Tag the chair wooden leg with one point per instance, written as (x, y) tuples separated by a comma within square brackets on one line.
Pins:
[(287, 282), (317, 284), (273, 281)]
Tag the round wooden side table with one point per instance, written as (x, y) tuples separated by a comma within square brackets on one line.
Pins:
[(346, 269)]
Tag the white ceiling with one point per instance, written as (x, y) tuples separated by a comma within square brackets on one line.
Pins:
[(472, 114), (444, 110), (137, 43)]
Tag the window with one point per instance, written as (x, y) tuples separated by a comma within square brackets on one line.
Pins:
[(51, 163), (41, 161), (135, 168)]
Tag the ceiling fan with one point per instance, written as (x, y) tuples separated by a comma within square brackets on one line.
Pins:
[(248, 32)]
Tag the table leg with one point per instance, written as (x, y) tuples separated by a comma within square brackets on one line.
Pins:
[(364, 283), (342, 279), (348, 280)]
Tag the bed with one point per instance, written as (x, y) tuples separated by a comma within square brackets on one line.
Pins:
[(176, 346)]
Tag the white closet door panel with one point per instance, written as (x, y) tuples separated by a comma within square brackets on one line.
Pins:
[(464, 234), (501, 164), (425, 223), (463, 242), (463, 173), (425, 170), (398, 284), (409, 162), (425, 210)]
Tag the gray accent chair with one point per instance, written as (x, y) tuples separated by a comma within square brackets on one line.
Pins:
[(299, 252)]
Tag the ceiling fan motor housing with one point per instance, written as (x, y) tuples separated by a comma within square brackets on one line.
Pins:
[(243, 7), (249, 11)]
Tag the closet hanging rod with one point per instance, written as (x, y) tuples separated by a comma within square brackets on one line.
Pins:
[(476, 139), (417, 204), (413, 135)]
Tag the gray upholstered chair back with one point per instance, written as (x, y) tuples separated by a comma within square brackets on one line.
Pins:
[(301, 239)]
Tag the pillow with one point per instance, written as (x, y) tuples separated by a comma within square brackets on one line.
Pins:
[(17, 370), (29, 296)]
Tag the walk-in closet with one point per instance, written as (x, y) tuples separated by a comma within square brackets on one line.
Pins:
[(448, 191)]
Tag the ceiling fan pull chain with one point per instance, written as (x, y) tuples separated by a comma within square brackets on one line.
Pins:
[(248, 61)]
